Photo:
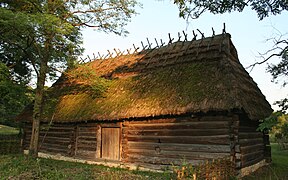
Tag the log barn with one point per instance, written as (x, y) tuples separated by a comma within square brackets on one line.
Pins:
[(189, 100)]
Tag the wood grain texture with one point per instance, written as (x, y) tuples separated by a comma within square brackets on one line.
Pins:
[(111, 143)]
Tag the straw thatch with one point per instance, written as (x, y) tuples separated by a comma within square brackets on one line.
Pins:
[(183, 77)]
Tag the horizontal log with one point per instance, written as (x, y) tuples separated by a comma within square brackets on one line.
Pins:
[(57, 124), (254, 161), (251, 148), (55, 150), (132, 158), (55, 138), (87, 129), (219, 139), (179, 147), (86, 138), (91, 134), (247, 129), (177, 154), (183, 125), (87, 125), (55, 131), (251, 156), (86, 147), (86, 153), (249, 142), (250, 135), (55, 141), (54, 145), (177, 132), (249, 123), (52, 136), (81, 141), (61, 128), (86, 143)]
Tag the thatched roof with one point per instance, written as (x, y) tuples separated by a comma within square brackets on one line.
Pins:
[(182, 77)]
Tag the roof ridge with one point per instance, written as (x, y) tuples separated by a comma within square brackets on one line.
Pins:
[(116, 52)]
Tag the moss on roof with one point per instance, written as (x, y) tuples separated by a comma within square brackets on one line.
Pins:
[(183, 77)]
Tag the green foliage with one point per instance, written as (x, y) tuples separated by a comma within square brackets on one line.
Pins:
[(269, 122), (14, 96), (277, 125), (263, 8), (34, 30), (46, 36)]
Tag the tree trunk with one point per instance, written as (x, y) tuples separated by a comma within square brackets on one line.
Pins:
[(37, 112), (43, 70)]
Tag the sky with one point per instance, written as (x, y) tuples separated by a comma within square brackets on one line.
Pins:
[(157, 18)]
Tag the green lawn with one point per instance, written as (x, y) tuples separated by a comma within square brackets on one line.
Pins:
[(6, 130)]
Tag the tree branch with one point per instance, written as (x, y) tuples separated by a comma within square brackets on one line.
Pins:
[(265, 60)]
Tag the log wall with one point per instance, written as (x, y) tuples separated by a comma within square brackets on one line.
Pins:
[(173, 140), (251, 142), (86, 140), (158, 142), (82, 140), (58, 139)]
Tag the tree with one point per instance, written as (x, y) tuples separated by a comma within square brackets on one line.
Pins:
[(48, 36), (14, 96), (277, 125), (279, 70), (263, 8)]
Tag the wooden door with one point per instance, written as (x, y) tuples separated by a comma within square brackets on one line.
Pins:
[(111, 143)]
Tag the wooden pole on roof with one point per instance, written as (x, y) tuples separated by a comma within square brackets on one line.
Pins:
[(179, 36), (195, 36), (149, 44), (213, 32), (202, 34), (170, 39), (185, 36), (224, 29), (157, 45)]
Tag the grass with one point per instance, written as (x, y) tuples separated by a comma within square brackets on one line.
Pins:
[(20, 167), (277, 170), (6, 130)]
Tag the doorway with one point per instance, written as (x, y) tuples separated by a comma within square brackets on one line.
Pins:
[(110, 143)]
